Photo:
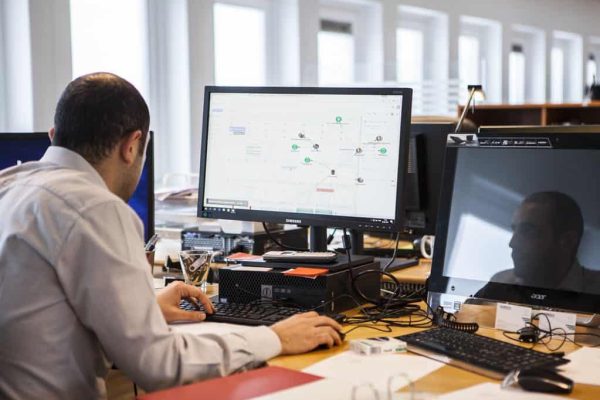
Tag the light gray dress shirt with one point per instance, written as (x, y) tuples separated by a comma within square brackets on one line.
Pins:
[(75, 292)]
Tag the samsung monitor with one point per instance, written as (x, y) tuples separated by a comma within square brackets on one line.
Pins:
[(319, 157), (16, 148), (519, 222)]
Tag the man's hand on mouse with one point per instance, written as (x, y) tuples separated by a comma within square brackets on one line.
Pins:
[(304, 332), (168, 300)]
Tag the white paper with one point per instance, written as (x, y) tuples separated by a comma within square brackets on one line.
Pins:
[(205, 328), (493, 391), (557, 319), (330, 389), (333, 389), (356, 369), (510, 317), (250, 268), (584, 366)]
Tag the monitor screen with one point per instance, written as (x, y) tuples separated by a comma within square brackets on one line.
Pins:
[(520, 222), (16, 148), (310, 156)]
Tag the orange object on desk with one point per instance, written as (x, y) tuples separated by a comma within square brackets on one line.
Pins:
[(239, 256), (306, 272), (242, 386)]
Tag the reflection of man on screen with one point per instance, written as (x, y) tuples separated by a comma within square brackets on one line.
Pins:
[(547, 229)]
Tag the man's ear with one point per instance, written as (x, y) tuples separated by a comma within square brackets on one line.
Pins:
[(51, 134), (129, 147)]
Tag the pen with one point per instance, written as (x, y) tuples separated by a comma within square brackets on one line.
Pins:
[(151, 243)]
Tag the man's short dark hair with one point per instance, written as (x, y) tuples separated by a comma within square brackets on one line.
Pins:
[(565, 212), (95, 112)]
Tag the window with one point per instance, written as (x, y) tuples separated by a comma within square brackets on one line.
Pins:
[(567, 67), (516, 75), (421, 61), (557, 67), (336, 53), (591, 70), (480, 56), (409, 54), (468, 60), (110, 35), (240, 45), (528, 54)]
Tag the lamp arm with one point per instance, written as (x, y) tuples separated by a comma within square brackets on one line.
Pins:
[(464, 113)]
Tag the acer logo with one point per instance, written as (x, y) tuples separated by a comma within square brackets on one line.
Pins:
[(293, 221), (537, 296)]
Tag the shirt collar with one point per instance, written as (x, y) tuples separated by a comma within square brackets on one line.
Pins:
[(69, 159)]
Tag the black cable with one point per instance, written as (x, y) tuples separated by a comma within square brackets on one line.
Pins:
[(278, 243), (347, 245), (544, 337), (331, 236)]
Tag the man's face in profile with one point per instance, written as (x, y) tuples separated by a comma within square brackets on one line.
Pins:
[(534, 245), (133, 174)]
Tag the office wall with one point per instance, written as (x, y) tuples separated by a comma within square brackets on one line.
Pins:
[(576, 16)]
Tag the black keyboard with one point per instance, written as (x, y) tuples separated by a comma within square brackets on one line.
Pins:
[(249, 314), (480, 354)]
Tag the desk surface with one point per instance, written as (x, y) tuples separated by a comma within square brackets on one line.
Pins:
[(443, 380)]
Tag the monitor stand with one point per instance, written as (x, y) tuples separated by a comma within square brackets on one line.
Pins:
[(318, 242), (317, 238)]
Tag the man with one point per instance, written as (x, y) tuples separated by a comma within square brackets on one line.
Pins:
[(74, 283), (547, 230)]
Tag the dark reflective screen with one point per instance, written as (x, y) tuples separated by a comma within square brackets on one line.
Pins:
[(525, 217)]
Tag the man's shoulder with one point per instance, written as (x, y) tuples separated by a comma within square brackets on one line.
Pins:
[(505, 276), (60, 188)]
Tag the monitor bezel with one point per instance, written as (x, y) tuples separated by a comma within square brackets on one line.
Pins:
[(502, 292), (319, 220), (149, 163)]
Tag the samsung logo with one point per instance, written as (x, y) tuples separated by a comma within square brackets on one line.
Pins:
[(537, 296), (293, 221)]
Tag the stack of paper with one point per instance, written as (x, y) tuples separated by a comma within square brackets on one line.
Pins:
[(392, 371), (584, 366)]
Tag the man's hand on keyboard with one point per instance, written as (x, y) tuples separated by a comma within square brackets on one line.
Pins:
[(304, 332), (168, 300)]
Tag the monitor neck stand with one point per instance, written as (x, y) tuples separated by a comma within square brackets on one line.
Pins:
[(317, 238)]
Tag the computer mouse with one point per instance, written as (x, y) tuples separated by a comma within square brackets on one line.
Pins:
[(543, 380)]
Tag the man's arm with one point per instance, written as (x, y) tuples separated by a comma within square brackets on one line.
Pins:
[(104, 273)]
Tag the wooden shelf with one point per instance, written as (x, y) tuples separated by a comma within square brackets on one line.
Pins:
[(534, 114)]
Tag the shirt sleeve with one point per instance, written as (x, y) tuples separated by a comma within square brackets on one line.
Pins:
[(104, 273)]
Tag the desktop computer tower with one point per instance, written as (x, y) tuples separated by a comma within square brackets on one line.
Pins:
[(330, 293)]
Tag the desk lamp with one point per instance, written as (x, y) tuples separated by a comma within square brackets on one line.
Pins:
[(475, 93)]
